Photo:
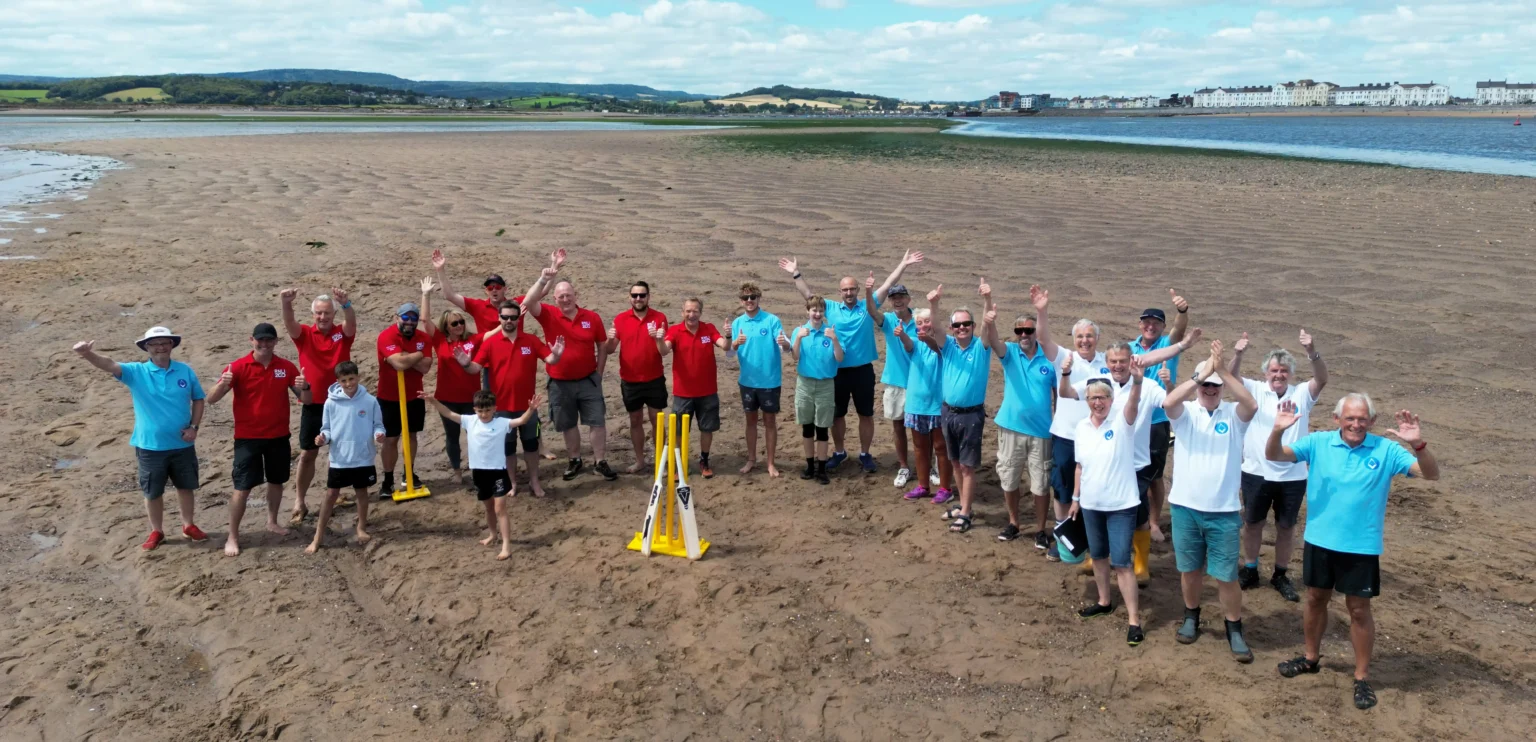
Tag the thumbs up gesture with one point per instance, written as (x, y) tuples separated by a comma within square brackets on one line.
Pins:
[(741, 339)]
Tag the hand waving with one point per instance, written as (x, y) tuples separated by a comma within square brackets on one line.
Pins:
[(1039, 298), (1407, 429), (427, 285), (912, 257), (438, 260), (1285, 415), (1241, 344), (790, 265)]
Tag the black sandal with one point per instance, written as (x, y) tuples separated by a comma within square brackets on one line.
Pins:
[(952, 512), (1009, 533), (1299, 666), (961, 525), (1364, 696)]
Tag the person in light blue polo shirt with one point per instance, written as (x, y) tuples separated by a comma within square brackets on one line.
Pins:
[(1024, 427), (755, 336), (855, 325), (1151, 338), (897, 363), (1349, 476), (817, 350), (965, 364), (167, 409)]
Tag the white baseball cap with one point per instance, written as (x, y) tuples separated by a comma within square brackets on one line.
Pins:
[(158, 332), (1212, 379)]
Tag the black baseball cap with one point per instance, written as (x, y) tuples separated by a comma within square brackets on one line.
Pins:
[(1156, 314), (897, 290), (495, 278), (264, 331)]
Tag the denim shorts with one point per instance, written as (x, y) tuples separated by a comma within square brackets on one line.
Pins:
[(1109, 535), (1208, 540)]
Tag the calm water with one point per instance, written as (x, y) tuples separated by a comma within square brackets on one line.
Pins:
[(1479, 145)]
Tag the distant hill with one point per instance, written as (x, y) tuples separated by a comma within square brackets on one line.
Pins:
[(31, 78), (459, 89), (787, 92)]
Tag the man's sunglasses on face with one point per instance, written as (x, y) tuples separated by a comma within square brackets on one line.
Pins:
[(958, 325), (1023, 330)]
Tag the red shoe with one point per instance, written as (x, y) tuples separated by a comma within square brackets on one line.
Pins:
[(194, 533), (155, 539)]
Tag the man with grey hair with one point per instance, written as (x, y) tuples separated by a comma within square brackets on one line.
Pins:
[(965, 364), (1024, 426), (321, 346), (1349, 476), (1271, 485), (576, 379), (1080, 360)]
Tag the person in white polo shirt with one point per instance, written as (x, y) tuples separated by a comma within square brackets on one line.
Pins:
[(1105, 492), (1207, 514), (1079, 362), (1275, 485)]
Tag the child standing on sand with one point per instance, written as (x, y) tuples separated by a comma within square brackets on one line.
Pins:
[(353, 424), (487, 433)]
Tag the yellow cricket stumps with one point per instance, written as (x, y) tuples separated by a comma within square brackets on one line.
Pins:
[(411, 491), (670, 526)]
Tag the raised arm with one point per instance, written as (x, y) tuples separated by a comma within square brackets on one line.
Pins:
[(1319, 369), (989, 321), (1133, 400), (1180, 317), (556, 349), (348, 316), (792, 267), (1173, 404), (1285, 417), (937, 328), (870, 305), (908, 258), (1154, 357), (1237, 355), (1064, 384), (290, 322), (1408, 432), (225, 383), (425, 323), (441, 408), (1040, 299), (1246, 404), (86, 349), (903, 338), (533, 300), (439, 262), (663, 347), (837, 346), (794, 342)]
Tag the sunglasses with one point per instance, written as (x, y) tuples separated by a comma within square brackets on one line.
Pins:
[(958, 325), (1023, 330), (1208, 385), (456, 323), (639, 296), (495, 286), (506, 318), (408, 318), (751, 297)]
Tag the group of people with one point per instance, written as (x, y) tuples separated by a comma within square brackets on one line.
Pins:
[(1086, 432)]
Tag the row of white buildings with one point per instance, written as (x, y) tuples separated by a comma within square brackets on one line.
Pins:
[(1313, 93), (1491, 93)]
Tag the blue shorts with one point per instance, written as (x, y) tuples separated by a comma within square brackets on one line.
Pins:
[(1063, 468), (1208, 540), (1109, 535)]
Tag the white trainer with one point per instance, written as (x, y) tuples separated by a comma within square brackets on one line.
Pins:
[(902, 476)]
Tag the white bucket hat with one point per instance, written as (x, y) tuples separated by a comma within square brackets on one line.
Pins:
[(158, 332)]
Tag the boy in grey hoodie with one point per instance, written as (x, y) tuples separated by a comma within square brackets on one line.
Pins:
[(353, 424)]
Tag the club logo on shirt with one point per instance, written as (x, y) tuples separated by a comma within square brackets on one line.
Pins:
[(281, 373), (391, 348), (1109, 435), (1221, 428), (362, 413), (421, 346), (1372, 463), (469, 347), (585, 325), (183, 384), (1104, 370), (336, 337), (527, 351), (825, 343), (705, 339), (1045, 370), (763, 332)]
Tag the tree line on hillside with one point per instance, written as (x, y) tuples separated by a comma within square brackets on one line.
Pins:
[(206, 89), (786, 92)]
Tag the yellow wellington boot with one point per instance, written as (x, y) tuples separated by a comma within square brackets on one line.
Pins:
[(1141, 550), (1087, 566)]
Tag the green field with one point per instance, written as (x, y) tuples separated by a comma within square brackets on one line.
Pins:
[(138, 94), (18, 95), (544, 101)]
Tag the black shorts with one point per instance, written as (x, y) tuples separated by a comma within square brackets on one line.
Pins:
[(415, 409), (765, 401), (857, 382), (1143, 485), (652, 394), (311, 416), (261, 461), (528, 433), (177, 466), (962, 434), (1351, 574), (1159, 450), (703, 411), (361, 477), (491, 483), (1261, 496)]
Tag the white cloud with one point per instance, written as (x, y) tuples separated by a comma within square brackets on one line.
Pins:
[(832, 4), (960, 3), (1082, 15)]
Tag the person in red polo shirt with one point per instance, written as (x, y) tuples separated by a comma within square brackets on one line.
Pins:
[(261, 382), (576, 382), (321, 346), (405, 349), (692, 344), (642, 380), (455, 387), (483, 311), (511, 356)]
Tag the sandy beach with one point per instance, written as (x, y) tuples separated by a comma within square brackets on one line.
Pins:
[(837, 612)]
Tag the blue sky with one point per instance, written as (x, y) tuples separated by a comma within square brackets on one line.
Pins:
[(914, 49)]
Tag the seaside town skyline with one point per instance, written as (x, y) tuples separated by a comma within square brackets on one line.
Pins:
[(941, 50)]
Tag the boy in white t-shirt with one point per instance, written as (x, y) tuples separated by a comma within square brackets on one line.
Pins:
[(487, 436), (1207, 517)]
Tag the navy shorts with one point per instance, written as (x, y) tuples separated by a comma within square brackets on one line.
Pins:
[(760, 400), (177, 466)]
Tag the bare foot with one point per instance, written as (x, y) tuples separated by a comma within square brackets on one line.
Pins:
[(458, 476), (504, 555), (488, 540), (363, 537), (231, 548), (1157, 533), (273, 527), (312, 548), (297, 518), (635, 468), (747, 467), (773, 471), (547, 455), (537, 489)]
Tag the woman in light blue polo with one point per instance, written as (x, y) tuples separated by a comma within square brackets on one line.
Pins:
[(167, 408), (922, 408)]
